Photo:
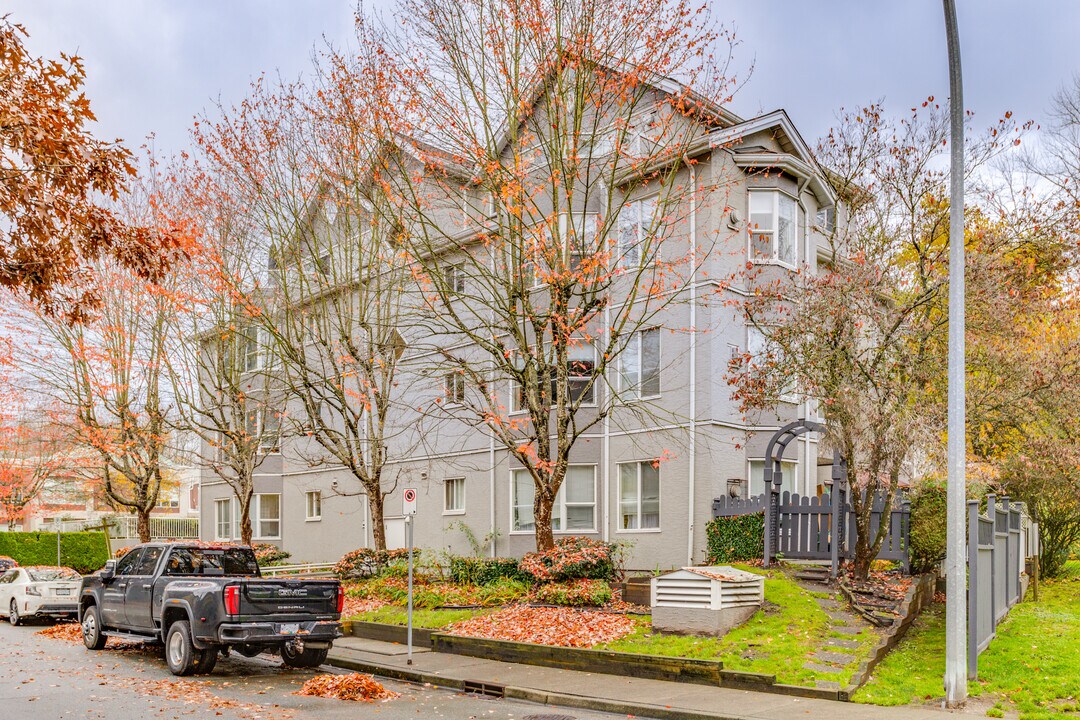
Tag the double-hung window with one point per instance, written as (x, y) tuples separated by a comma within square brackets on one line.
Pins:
[(637, 219), (639, 365), (266, 514), (580, 371), (639, 495), (578, 233), (223, 519), (454, 496), (575, 503), (248, 346), (757, 347), (314, 505), (454, 276), (774, 227), (454, 386)]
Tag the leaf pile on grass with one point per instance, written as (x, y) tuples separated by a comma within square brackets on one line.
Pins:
[(356, 687), (564, 627), (72, 632), (356, 606)]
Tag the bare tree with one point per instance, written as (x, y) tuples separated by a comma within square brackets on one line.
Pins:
[(219, 363), (543, 164), (109, 374), (331, 305)]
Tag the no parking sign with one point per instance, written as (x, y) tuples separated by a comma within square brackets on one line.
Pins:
[(408, 502)]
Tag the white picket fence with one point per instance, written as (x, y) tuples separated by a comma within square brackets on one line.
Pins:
[(127, 527)]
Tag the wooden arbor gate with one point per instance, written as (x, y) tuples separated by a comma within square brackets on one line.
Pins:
[(815, 528)]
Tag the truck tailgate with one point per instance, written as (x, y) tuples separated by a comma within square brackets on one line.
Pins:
[(288, 597)]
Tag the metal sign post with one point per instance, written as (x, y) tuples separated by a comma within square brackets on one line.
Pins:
[(408, 509)]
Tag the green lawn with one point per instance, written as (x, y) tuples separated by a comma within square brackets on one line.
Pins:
[(422, 618), (1032, 667), (777, 640)]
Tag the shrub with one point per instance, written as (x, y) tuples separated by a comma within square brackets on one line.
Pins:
[(572, 558), (483, 571), (267, 554), (84, 552), (503, 591), (367, 562), (734, 539), (577, 593), (929, 503)]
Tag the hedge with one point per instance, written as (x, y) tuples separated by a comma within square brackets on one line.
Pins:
[(734, 539), (82, 551), (483, 571), (572, 558), (929, 504)]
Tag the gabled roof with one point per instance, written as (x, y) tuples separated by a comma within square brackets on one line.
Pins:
[(796, 159)]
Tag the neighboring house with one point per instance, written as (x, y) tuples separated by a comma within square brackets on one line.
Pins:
[(615, 489)]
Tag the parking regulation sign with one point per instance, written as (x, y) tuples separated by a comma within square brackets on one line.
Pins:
[(408, 502)]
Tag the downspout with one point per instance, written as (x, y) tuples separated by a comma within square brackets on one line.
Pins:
[(605, 472), (809, 469), (691, 475)]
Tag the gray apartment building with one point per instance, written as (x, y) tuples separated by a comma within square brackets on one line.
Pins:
[(646, 479)]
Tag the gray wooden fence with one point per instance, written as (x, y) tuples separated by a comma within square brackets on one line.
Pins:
[(999, 544), (808, 524)]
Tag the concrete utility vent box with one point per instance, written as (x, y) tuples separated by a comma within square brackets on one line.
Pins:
[(705, 600)]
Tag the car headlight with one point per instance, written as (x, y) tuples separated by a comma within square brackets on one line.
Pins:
[(33, 590)]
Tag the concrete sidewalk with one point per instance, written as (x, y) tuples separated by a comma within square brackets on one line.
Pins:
[(592, 691)]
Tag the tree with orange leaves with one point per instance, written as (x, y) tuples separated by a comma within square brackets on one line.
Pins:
[(542, 165), (322, 290), (55, 183)]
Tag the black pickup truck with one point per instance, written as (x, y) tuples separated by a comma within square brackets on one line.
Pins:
[(204, 600)]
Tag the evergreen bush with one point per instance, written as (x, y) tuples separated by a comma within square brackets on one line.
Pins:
[(735, 539)]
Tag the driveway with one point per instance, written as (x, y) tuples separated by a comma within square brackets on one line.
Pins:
[(43, 678)]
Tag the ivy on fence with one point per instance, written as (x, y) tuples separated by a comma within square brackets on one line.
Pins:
[(734, 539)]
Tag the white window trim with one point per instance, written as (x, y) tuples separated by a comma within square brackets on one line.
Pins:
[(559, 505), (307, 506), (217, 524), (750, 479), (256, 520), (790, 397), (774, 260), (618, 501), (641, 228), (634, 393), (447, 511), (451, 381)]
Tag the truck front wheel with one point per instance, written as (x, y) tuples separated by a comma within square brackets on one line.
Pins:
[(306, 658), (93, 637), (180, 653)]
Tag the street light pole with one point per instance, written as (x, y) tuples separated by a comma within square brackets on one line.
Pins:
[(956, 602)]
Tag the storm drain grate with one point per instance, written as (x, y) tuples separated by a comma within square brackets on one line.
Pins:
[(475, 687), (549, 717)]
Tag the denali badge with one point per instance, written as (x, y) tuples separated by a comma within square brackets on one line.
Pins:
[(292, 592)]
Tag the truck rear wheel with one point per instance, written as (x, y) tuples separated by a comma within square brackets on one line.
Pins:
[(307, 658), (93, 637), (180, 653)]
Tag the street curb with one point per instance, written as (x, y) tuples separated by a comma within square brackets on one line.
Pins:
[(541, 697)]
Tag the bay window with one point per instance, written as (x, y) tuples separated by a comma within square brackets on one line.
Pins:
[(773, 227)]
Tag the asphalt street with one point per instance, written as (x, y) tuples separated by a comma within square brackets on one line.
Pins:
[(43, 678)]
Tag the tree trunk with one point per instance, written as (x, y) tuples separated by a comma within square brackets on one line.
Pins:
[(143, 524), (378, 527), (245, 517), (545, 539), (863, 505)]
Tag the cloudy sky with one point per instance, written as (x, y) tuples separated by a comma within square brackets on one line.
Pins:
[(152, 64)]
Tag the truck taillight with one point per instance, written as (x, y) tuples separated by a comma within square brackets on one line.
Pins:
[(232, 599), (340, 599)]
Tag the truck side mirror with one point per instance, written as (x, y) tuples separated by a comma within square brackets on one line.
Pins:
[(109, 571)]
